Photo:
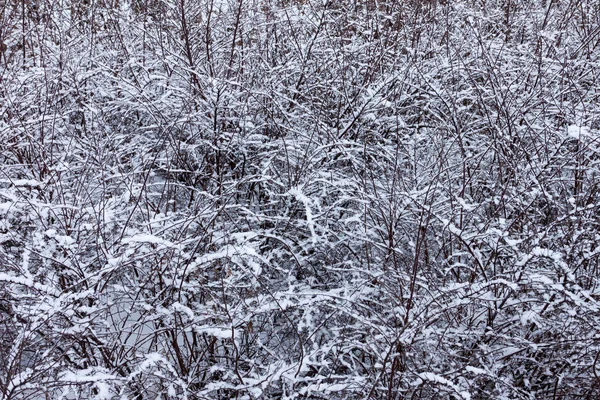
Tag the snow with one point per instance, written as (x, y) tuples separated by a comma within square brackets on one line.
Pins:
[(221, 333), (301, 197), (28, 282), (147, 238), (88, 375), (435, 378), (331, 197), (577, 132), (476, 371), (23, 182)]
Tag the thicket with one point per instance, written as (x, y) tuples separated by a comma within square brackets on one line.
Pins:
[(310, 199)]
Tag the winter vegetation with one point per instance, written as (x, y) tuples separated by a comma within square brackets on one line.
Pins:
[(299, 199)]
